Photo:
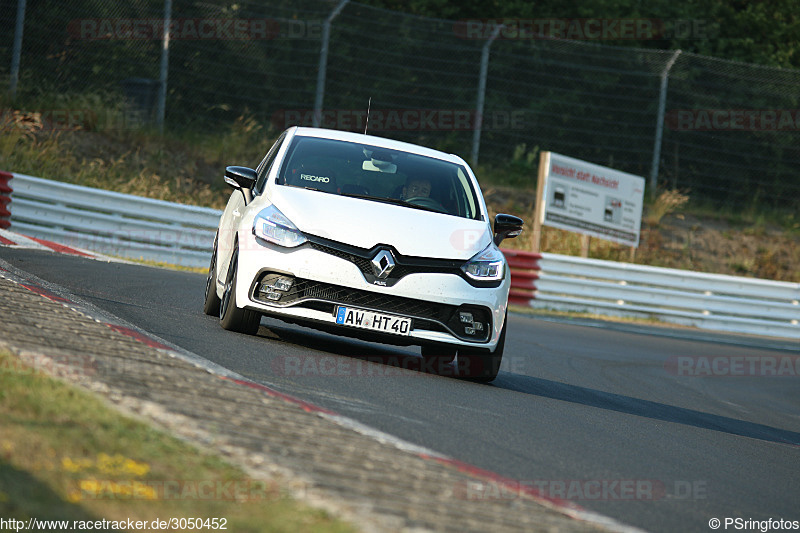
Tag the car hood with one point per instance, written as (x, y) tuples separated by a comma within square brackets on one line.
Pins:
[(366, 223)]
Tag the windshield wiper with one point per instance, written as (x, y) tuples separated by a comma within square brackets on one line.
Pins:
[(392, 201)]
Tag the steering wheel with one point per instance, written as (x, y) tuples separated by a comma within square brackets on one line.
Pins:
[(426, 201)]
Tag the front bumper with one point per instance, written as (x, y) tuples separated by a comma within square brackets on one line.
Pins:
[(322, 281)]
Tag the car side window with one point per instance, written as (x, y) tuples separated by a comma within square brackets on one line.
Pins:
[(263, 169)]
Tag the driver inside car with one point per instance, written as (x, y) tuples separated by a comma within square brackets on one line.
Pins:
[(417, 188)]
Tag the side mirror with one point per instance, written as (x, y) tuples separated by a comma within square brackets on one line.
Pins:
[(506, 226), (240, 177)]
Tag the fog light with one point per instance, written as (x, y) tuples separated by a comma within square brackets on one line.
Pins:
[(469, 330), (270, 294), (478, 326), (280, 284), (466, 318)]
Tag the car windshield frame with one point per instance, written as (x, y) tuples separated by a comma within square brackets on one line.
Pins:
[(374, 173)]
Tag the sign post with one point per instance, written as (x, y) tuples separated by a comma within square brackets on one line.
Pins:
[(544, 164)]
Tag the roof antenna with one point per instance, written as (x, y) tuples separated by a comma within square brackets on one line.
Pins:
[(369, 104)]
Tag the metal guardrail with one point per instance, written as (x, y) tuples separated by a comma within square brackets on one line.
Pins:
[(113, 223), (142, 228), (708, 301)]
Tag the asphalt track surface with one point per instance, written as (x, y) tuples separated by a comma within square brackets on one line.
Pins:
[(575, 408)]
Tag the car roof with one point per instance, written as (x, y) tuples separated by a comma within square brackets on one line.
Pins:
[(381, 142)]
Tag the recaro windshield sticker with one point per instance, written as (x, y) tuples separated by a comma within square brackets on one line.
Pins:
[(311, 177)]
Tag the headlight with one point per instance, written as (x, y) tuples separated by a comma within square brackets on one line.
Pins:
[(488, 265), (273, 226)]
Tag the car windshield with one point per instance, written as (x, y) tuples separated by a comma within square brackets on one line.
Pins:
[(376, 174)]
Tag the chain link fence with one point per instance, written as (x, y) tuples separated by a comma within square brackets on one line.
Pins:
[(726, 131)]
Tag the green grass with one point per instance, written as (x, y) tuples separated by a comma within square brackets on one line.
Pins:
[(99, 145), (751, 218), (65, 455)]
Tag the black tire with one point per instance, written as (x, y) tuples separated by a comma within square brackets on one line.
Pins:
[(232, 317), (482, 366), (211, 305), (438, 357)]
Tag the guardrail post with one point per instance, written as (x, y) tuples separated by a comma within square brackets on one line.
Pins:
[(5, 199)]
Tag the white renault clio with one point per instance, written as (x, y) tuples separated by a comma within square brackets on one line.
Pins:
[(366, 237)]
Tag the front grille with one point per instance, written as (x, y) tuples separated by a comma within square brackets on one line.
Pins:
[(307, 289), (363, 263), (318, 291)]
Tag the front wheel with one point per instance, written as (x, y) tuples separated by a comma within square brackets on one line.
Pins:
[(438, 357), (232, 317), (479, 365), (211, 305)]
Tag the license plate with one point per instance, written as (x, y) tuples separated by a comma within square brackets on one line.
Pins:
[(359, 318)]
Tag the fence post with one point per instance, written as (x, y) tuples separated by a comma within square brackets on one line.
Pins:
[(323, 62), (662, 103), (162, 87), (476, 132), (17, 52)]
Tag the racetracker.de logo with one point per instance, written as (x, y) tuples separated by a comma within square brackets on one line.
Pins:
[(175, 489), (733, 366), (48, 120), (179, 29), (733, 119), (401, 119), (582, 29), (377, 366), (62, 364), (564, 489)]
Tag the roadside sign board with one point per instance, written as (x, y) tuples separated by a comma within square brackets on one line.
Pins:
[(590, 199)]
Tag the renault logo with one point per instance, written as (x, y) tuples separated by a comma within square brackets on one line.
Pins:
[(382, 264)]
